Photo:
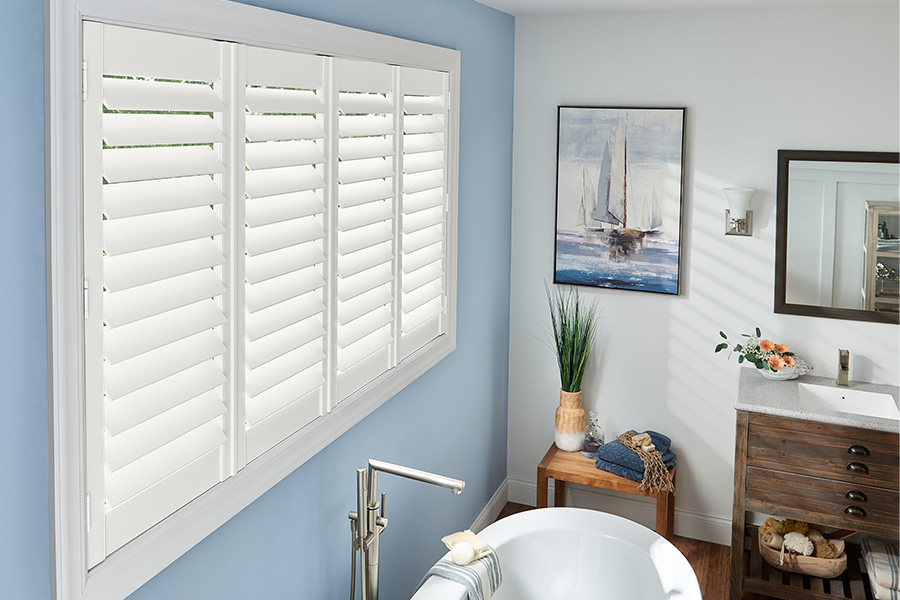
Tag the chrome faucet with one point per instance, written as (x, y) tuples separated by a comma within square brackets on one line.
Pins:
[(843, 367), (369, 520)]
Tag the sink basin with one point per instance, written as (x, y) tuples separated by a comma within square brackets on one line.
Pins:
[(848, 400)]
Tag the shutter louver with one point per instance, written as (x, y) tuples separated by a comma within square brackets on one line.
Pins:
[(284, 254), (161, 206), (423, 237), (365, 215)]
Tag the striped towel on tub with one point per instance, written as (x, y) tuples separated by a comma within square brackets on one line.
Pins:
[(481, 577)]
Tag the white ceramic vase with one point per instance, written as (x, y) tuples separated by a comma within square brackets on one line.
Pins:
[(568, 433)]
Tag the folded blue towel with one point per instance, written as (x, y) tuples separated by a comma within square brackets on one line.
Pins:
[(625, 471), (481, 577), (617, 453)]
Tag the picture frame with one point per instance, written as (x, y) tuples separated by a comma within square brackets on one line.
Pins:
[(619, 197)]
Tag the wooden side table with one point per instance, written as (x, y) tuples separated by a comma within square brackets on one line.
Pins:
[(575, 468)]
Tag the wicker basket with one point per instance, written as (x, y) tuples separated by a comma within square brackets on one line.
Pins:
[(805, 565)]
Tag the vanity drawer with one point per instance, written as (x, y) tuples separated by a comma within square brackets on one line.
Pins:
[(831, 451), (827, 502)]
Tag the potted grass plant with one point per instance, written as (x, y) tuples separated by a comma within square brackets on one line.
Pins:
[(574, 326)]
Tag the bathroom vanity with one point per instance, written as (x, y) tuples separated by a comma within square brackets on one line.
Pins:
[(797, 457)]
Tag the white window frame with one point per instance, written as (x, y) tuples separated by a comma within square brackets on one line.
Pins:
[(138, 561)]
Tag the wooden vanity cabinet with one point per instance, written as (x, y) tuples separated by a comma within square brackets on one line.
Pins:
[(833, 475)]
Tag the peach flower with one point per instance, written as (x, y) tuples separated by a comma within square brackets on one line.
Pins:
[(776, 363), (781, 348), (766, 345), (789, 361)]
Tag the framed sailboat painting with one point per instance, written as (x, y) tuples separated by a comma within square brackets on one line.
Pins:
[(619, 188)]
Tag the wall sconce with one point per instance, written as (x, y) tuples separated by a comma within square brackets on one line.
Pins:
[(738, 219)]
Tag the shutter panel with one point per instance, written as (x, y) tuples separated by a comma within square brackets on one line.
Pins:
[(423, 238), (155, 197), (366, 229), (284, 255)]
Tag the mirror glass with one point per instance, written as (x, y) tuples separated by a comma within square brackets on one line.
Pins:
[(838, 235)]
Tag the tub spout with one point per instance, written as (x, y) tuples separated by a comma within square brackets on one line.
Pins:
[(456, 485)]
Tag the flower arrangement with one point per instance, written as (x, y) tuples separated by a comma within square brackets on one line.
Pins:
[(764, 354)]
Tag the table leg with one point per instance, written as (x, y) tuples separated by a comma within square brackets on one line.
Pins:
[(559, 492), (542, 485), (665, 514)]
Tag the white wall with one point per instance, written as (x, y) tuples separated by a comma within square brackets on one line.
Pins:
[(753, 81)]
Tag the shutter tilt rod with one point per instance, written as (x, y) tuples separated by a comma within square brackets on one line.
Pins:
[(86, 295)]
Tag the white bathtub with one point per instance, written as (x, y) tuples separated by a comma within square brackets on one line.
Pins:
[(557, 553)]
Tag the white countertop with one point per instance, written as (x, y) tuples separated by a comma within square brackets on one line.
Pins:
[(761, 395)]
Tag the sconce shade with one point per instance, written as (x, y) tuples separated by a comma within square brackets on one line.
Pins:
[(738, 200)]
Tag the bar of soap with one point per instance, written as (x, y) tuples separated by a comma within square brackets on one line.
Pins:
[(462, 553)]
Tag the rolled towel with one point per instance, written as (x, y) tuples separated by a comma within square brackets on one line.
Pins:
[(883, 564), (481, 577)]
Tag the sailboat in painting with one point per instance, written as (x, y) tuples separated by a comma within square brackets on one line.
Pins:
[(651, 216), (609, 198)]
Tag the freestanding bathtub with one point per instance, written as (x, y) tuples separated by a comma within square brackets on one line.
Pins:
[(566, 553)]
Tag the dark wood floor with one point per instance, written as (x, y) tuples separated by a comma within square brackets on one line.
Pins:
[(710, 561)]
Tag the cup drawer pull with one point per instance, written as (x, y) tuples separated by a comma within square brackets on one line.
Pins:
[(858, 467), (858, 450), (856, 496), (855, 511)]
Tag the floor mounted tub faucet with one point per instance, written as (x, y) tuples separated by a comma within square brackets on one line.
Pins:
[(369, 520)]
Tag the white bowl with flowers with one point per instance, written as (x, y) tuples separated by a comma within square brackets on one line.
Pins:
[(774, 361)]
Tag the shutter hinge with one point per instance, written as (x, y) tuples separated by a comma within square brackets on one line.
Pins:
[(86, 295), (87, 505), (84, 81)]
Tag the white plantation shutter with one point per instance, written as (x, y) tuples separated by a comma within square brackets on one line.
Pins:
[(266, 234), (284, 251), (154, 239), (366, 227), (424, 227)]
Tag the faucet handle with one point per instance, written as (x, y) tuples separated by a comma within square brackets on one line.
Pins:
[(383, 498), (844, 359)]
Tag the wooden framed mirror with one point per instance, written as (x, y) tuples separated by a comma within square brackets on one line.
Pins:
[(837, 240)]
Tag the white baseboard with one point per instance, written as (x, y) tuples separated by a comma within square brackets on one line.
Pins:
[(688, 523), (492, 509)]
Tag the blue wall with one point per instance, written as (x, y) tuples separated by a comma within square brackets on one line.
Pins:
[(24, 480), (294, 541)]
